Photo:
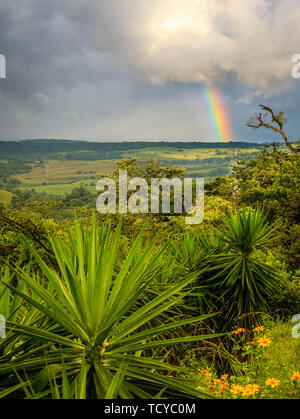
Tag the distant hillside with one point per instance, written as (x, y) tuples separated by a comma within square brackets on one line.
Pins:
[(5, 196), (59, 166), (40, 147)]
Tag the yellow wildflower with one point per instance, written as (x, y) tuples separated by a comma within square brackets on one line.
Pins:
[(247, 392), (235, 389), (296, 376), (272, 382), (253, 387), (259, 329), (264, 342)]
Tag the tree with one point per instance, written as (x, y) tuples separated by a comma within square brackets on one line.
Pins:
[(272, 181), (79, 197), (276, 124), (275, 189), (149, 169)]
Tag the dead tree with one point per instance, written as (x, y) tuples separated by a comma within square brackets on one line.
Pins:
[(276, 125)]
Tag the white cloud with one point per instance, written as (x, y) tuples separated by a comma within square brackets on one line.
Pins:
[(198, 40), (248, 98), (40, 99)]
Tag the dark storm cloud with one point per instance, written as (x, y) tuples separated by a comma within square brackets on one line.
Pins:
[(131, 69), (43, 48)]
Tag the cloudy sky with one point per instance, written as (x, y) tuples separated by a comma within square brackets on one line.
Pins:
[(135, 69)]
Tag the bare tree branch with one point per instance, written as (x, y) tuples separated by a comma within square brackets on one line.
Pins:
[(276, 125)]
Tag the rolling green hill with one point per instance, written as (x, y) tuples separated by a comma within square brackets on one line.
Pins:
[(5, 196)]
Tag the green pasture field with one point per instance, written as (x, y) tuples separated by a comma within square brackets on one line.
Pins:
[(63, 170), (171, 153), (58, 177), (62, 188), (5, 196)]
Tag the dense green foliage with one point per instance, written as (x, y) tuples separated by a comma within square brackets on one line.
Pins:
[(99, 307)]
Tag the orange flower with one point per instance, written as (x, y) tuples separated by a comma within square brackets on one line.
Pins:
[(296, 376), (272, 382), (222, 385), (203, 372), (248, 390), (264, 342), (238, 331), (294, 393), (224, 376), (259, 329)]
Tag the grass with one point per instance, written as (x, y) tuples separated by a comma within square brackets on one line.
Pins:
[(58, 177), (5, 196), (170, 153), (279, 360), (64, 171), (62, 188)]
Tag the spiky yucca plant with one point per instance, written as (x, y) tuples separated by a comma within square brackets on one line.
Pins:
[(81, 319), (242, 283), (231, 278)]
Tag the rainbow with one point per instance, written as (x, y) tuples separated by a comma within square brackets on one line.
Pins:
[(218, 115)]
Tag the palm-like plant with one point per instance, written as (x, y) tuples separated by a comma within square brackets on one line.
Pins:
[(191, 253), (242, 283), (84, 319)]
